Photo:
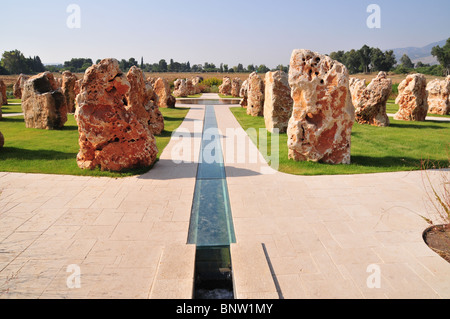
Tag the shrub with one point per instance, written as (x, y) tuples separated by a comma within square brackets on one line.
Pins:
[(212, 82)]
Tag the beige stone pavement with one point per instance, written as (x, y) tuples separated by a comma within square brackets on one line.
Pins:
[(297, 236)]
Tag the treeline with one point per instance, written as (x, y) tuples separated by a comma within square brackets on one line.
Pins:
[(368, 59), (14, 62)]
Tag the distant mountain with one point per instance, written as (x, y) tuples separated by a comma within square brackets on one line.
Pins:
[(419, 54)]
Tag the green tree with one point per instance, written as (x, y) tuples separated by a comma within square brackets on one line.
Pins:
[(15, 62), (262, 69), (251, 68), (443, 55), (406, 62), (162, 66), (382, 61), (365, 55), (352, 61)]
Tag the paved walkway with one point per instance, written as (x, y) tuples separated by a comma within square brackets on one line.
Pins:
[(297, 236)]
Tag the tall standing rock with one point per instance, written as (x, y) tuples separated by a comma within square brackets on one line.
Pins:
[(196, 83), (162, 90), (141, 101), (3, 97), (278, 102), (255, 100), (370, 102), (243, 93), (43, 103), (225, 87), (69, 81), (412, 99), (19, 85), (236, 87), (323, 114), (190, 87), (439, 96), (180, 88), (111, 136)]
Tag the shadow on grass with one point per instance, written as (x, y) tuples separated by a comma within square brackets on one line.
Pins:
[(418, 126), (12, 120), (390, 161), (14, 153)]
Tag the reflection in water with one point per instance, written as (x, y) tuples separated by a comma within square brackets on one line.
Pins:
[(209, 102)]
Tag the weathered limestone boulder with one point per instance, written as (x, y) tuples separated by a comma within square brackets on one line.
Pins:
[(111, 136), (190, 87), (277, 102), (3, 97), (323, 114), (77, 87), (180, 89), (225, 87), (255, 100), (69, 81), (236, 87), (2, 140), (43, 103), (439, 96), (412, 99), (243, 93), (196, 82), (161, 88), (370, 102), (18, 86), (141, 101)]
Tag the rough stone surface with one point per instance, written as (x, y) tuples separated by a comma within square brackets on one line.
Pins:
[(190, 87), (323, 114), (196, 82), (18, 86), (236, 87), (439, 96), (180, 88), (243, 93), (69, 81), (161, 88), (43, 103), (255, 100), (412, 99), (225, 87), (111, 136), (278, 101), (3, 96), (370, 102), (2, 140), (141, 101)]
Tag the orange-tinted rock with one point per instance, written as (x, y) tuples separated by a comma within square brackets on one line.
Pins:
[(412, 99), (18, 86), (141, 101), (225, 87), (111, 136), (161, 88), (3, 97), (243, 93), (236, 87), (323, 114), (43, 103), (69, 81), (278, 101), (439, 96), (255, 100), (370, 102)]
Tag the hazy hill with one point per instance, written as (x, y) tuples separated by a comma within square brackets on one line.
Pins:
[(419, 54)]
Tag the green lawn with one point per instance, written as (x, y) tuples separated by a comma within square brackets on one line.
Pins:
[(400, 147), (392, 108), (54, 152), (8, 109)]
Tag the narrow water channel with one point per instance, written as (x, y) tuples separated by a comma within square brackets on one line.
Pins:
[(211, 226)]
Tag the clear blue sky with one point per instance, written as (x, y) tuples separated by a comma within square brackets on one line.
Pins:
[(230, 31)]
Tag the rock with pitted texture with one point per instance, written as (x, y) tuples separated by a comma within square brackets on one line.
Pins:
[(43, 103), (69, 81), (225, 87), (180, 89), (439, 96), (190, 87), (323, 114), (3, 96), (255, 100), (236, 87), (161, 88), (370, 102), (278, 101), (111, 136), (18, 86), (412, 98), (142, 101), (243, 93), (196, 82)]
